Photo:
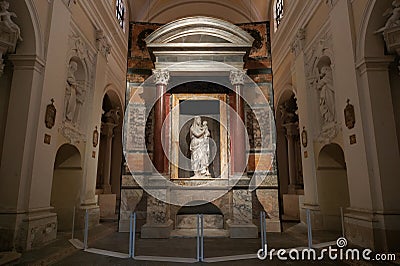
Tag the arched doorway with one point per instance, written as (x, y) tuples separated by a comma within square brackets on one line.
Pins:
[(110, 156), (333, 191), (66, 187)]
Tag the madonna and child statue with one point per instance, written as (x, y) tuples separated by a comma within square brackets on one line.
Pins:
[(200, 148)]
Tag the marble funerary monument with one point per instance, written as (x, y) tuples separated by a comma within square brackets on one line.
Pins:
[(186, 137)]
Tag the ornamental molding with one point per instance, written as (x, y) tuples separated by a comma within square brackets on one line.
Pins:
[(237, 76), (161, 76), (297, 45), (103, 43)]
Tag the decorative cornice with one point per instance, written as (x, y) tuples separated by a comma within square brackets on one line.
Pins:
[(374, 64), (236, 77), (161, 76)]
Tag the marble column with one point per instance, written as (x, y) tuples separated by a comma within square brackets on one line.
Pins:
[(292, 132), (161, 78), (237, 129), (107, 129)]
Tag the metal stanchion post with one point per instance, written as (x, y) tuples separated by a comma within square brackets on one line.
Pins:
[(202, 238), (85, 243), (198, 237), (73, 224), (262, 229), (265, 229), (309, 229), (342, 220), (134, 235), (130, 235)]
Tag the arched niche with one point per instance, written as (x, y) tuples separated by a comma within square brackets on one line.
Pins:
[(66, 186), (332, 185)]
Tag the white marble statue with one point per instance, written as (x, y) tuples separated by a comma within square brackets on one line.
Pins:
[(74, 95), (326, 94), (5, 20), (393, 14), (200, 147)]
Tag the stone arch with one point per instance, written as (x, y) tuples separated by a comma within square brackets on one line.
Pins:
[(332, 185), (369, 43), (110, 157), (283, 95), (214, 215), (66, 185), (372, 44), (28, 21), (186, 3), (115, 97), (289, 161), (31, 45)]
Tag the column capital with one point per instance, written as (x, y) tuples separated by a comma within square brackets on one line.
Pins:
[(237, 77), (107, 129), (292, 129), (161, 76)]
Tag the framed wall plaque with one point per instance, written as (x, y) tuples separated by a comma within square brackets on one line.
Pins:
[(50, 117), (304, 138), (95, 137), (47, 139), (349, 116)]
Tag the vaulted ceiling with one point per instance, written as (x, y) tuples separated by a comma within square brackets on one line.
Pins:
[(234, 11)]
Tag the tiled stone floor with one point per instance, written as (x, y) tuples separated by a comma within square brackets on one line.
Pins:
[(104, 236)]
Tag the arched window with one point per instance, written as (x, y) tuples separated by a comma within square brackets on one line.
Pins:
[(278, 13), (120, 13)]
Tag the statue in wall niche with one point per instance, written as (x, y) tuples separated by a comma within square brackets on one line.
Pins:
[(74, 95), (199, 147), (393, 14), (80, 99), (326, 94), (6, 23)]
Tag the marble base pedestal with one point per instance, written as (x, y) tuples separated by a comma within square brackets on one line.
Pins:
[(107, 204), (243, 231), (291, 210), (94, 216), (26, 231), (157, 230), (241, 226), (317, 220), (273, 226)]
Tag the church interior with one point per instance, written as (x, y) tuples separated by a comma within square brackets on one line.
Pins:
[(226, 122)]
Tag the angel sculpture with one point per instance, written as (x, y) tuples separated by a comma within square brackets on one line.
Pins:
[(5, 19), (393, 13)]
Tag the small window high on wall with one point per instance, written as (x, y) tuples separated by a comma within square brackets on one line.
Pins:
[(120, 13), (278, 13)]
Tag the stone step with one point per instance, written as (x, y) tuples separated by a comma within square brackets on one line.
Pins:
[(186, 233)]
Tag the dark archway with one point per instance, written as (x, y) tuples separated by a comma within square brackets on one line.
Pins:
[(333, 191), (108, 183), (66, 187)]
